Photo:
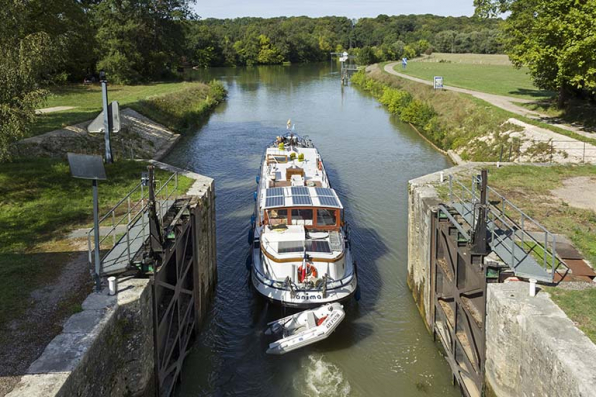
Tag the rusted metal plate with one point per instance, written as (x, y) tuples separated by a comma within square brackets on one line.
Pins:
[(580, 268)]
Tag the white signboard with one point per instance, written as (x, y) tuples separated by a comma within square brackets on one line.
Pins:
[(438, 82)]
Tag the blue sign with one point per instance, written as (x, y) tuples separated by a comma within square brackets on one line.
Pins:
[(438, 82)]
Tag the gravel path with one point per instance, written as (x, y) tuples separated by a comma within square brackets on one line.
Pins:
[(578, 192), (54, 109), (503, 102)]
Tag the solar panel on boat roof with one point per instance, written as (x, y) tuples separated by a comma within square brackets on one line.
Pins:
[(275, 191), (329, 201), (323, 191), (302, 200), (299, 191), (275, 201)]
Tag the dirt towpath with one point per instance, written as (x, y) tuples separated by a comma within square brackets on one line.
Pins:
[(503, 102)]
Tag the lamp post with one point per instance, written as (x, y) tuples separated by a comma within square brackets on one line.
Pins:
[(107, 117)]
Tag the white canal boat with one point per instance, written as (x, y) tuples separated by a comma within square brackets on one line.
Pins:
[(300, 245)]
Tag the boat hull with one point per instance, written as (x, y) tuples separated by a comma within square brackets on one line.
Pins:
[(304, 299)]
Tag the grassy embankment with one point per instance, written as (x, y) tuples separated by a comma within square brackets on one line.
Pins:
[(40, 203), (494, 74), (179, 106), (449, 120)]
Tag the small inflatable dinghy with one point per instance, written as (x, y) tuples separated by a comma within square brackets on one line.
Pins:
[(304, 328)]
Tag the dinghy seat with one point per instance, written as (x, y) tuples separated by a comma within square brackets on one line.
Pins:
[(311, 321)]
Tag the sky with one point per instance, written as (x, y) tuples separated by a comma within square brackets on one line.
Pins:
[(317, 8)]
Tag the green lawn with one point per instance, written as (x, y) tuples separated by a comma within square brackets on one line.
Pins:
[(39, 204), (580, 306), (497, 79), (87, 101)]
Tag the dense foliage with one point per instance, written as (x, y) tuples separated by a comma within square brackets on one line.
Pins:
[(26, 58), (553, 38), (249, 41)]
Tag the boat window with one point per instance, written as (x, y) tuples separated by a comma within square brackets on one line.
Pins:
[(285, 247), (318, 246), (278, 217), (302, 216), (326, 217)]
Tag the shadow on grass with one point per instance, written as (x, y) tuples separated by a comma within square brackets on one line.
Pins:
[(539, 94)]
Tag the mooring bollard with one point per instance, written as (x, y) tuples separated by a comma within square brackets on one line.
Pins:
[(441, 176), (533, 287), (112, 285)]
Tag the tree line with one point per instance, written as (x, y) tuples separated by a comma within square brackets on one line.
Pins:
[(253, 41)]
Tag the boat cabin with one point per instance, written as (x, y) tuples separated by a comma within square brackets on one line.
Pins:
[(315, 208)]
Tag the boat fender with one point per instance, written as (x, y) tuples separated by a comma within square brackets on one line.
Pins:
[(320, 165), (255, 196), (251, 236), (321, 320), (258, 179)]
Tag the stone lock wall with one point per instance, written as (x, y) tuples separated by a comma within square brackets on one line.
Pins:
[(108, 348)]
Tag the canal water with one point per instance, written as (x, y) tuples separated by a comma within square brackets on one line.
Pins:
[(382, 347)]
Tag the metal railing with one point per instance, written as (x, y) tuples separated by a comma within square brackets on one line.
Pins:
[(127, 213), (509, 226), (548, 149)]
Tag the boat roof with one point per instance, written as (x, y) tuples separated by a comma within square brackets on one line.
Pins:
[(301, 196)]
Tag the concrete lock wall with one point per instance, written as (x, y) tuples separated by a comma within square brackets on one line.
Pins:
[(107, 349), (532, 348)]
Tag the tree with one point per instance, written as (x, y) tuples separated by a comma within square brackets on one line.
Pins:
[(366, 56), (140, 39), (25, 65), (553, 38)]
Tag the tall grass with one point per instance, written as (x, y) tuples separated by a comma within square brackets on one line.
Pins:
[(450, 120), (184, 109)]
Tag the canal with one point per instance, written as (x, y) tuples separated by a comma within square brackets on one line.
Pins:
[(382, 348)]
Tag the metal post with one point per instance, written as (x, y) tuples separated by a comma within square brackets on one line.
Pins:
[(451, 188), (113, 228), (522, 229), (545, 248), (584, 154), (129, 210), (107, 120), (554, 249), (96, 276)]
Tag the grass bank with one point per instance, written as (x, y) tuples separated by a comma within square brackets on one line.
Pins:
[(580, 306), (478, 72), (40, 203), (183, 109), (450, 120), (86, 100)]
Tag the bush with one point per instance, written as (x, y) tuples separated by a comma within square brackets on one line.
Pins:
[(450, 120)]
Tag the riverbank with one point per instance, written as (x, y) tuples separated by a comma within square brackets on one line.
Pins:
[(470, 128), (73, 104)]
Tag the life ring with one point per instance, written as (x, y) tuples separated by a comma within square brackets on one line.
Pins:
[(304, 272)]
